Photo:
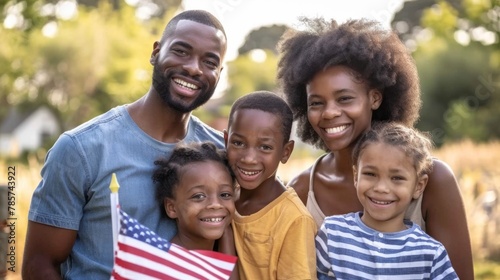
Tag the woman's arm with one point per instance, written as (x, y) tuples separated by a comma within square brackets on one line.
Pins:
[(445, 218)]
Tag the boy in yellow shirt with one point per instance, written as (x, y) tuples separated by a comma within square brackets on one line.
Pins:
[(273, 231)]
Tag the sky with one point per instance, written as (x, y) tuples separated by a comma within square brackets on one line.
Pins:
[(239, 17)]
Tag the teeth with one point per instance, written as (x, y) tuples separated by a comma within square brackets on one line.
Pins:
[(381, 202), (249, 173), (213, 220), (336, 129), (185, 84)]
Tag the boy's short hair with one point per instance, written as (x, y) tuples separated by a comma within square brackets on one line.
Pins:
[(268, 102)]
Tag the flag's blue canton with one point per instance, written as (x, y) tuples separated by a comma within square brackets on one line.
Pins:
[(131, 228)]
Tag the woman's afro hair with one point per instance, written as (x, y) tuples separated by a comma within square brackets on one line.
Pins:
[(376, 56)]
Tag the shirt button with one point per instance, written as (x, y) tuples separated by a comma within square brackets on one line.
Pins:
[(380, 235)]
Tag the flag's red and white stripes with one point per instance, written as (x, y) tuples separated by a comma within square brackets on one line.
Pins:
[(142, 254)]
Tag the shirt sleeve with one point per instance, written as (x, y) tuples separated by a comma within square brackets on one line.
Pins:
[(323, 265), (297, 256), (442, 268), (60, 197)]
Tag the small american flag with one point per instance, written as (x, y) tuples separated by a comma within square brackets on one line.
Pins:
[(142, 254)]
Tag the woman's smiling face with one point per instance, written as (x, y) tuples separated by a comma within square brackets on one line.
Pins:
[(339, 107)]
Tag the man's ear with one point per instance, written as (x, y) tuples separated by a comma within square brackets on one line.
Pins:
[(375, 98), (420, 187), (169, 205), (287, 151), (154, 53)]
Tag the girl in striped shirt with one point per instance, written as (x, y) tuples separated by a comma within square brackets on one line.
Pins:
[(391, 167)]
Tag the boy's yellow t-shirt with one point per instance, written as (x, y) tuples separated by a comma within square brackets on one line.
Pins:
[(277, 242)]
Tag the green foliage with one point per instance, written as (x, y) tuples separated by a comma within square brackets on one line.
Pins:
[(476, 10), (442, 17), (247, 75), (94, 62), (265, 38), (88, 64), (451, 89), (14, 66), (459, 67), (27, 9), (34, 19)]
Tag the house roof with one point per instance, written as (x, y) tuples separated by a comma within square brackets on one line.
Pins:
[(14, 118)]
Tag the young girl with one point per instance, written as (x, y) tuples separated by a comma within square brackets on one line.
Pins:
[(195, 186), (338, 79), (391, 167)]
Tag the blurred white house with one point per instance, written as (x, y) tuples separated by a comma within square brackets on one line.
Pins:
[(24, 131)]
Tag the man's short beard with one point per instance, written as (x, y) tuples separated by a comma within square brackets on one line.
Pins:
[(161, 84)]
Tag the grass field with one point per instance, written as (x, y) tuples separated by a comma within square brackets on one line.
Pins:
[(476, 168)]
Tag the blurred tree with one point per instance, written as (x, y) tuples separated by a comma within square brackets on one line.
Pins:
[(255, 70), (456, 47), (157, 7), (28, 15), (456, 89), (265, 38), (407, 21), (22, 14), (13, 65), (83, 67)]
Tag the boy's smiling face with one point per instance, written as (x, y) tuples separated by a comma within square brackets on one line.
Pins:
[(255, 146)]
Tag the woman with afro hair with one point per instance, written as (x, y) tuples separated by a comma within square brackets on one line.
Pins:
[(338, 80)]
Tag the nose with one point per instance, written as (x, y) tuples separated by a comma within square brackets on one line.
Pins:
[(331, 111), (381, 186), (192, 66), (249, 156), (214, 202)]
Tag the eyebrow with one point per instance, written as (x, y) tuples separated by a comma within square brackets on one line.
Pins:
[(182, 44), (191, 188), (268, 140), (190, 47), (334, 92)]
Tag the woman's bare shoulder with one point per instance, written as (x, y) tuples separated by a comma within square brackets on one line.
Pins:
[(301, 184), (442, 177)]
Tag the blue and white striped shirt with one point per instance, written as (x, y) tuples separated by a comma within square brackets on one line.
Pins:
[(348, 249)]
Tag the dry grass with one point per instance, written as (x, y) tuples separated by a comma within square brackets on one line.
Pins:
[(26, 179), (478, 172), (476, 168)]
